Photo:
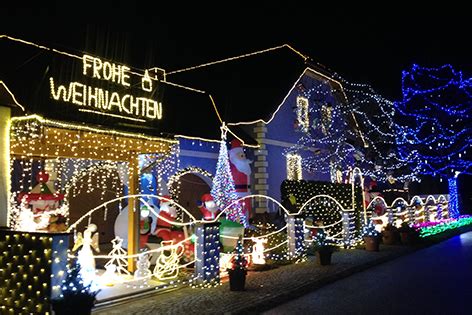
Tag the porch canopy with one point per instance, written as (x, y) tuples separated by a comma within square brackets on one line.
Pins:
[(37, 137)]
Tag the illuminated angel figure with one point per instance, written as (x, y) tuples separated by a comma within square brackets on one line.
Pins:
[(167, 264), (258, 251), (85, 256)]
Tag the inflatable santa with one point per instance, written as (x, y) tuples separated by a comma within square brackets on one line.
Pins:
[(241, 171), (208, 207), (167, 215), (167, 232)]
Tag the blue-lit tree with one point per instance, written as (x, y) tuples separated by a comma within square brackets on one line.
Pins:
[(435, 122), (372, 115)]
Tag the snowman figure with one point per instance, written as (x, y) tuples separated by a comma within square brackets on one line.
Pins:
[(143, 273), (109, 277)]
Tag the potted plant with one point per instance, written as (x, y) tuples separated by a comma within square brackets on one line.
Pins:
[(408, 235), (371, 237), (76, 297), (323, 248), (238, 271), (389, 234)]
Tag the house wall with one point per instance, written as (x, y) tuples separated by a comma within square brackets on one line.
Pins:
[(194, 153), (198, 153), (278, 136)]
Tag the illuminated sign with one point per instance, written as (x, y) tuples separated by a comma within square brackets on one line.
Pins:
[(103, 101)]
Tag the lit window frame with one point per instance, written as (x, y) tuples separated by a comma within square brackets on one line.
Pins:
[(294, 166), (302, 113)]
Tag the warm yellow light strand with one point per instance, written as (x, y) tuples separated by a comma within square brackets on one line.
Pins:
[(12, 95), (59, 124)]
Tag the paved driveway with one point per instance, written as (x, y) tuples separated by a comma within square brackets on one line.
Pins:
[(435, 280)]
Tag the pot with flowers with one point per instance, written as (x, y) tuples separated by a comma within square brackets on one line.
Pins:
[(323, 247), (76, 297), (238, 271), (408, 235), (371, 237), (389, 234)]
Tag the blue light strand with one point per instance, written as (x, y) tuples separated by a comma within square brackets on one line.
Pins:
[(440, 136), (453, 197)]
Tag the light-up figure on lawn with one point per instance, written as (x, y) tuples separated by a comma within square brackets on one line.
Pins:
[(143, 273), (167, 264), (118, 257), (258, 251), (85, 255)]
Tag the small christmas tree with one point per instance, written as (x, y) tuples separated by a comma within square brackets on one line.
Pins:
[(239, 260), (238, 271), (369, 230), (321, 242), (76, 296), (118, 256)]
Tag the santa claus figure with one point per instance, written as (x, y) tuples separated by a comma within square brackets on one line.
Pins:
[(208, 207), (241, 171), (167, 232), (167, 215)]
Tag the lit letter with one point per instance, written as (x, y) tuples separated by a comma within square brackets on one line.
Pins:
[(61, 91), (144, 101), (146, 83), (116, 73), (123, 102), (151, 110), (76, 94), (103, 97), (115, 101), (86, 65), (154, 109), (134, 105), (107, 69), (159, 110), (92, 96), (97, 66), (124, 75)]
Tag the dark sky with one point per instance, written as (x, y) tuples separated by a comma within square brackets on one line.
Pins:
[(363, 44)]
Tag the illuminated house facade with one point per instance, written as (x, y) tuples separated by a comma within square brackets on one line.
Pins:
[(287, 124)]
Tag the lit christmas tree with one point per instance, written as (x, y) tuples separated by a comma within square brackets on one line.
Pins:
[(223, 190), (435, 118), (76, 296), (118, 257), (239, 259)]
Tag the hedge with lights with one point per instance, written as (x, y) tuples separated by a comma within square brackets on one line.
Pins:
[(323, 208)]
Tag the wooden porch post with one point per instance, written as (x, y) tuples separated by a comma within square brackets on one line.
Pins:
[(4, 164), (133, 211)]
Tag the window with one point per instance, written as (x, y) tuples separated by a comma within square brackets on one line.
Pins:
[(302, 113), (326, 118), (294, 166)]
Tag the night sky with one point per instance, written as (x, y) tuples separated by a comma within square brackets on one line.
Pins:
[(363, 44)]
